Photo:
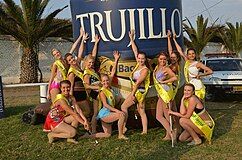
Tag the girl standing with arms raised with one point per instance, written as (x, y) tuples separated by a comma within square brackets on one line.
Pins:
[(192, 68), (163, 78), (92, 82), (140, 81), (59, 70)]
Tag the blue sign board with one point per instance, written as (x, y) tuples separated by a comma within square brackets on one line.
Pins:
[(113, 19)]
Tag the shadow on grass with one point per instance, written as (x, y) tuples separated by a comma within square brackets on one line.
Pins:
[(10, 111), (223, 120)]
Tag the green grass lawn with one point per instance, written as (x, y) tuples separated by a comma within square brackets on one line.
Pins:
[(21, 141)]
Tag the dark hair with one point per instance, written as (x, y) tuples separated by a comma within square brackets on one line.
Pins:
[(191, 49), (146, 60), (67, 55), (177, 55), (65, 82), (190, 85)]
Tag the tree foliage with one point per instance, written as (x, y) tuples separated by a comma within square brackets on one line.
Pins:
[(27, 24), (199, 37)]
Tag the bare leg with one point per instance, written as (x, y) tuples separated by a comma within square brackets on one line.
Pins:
[(191, 129), (124, 107), (185, 136), (175, 119), (71, 120), (53, 93), (94, 120), (160, 116), (141, 110), (63, 130)]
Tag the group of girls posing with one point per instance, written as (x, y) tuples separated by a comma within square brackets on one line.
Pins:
[(65, 114)]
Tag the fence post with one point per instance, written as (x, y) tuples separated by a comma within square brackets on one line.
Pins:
[(43, 93), (1, 99)]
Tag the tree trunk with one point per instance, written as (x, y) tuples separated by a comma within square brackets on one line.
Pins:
[(29, 66)]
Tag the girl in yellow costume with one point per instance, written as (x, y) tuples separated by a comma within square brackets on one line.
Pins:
[(174, 64), (163, 77), (108, 113), (191, 70), (62, 120), (194, 118), (59, 70), (140, 80), (92, 82), (75, 74)]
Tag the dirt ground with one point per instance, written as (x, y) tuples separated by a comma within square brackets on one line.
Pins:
[(21, 96)]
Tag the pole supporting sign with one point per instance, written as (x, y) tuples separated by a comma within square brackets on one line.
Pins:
[(1, 99)]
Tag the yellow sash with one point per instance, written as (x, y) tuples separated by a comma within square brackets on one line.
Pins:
[(200, 93), (186, 72), (60, 96), (76, 72), (89, 72), (199, 122), (165, 95), (141, 96), (61, 68), (109, 97)]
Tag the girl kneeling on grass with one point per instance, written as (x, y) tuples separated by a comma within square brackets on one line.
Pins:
[(108, 112), (194, 118), (62, 120)]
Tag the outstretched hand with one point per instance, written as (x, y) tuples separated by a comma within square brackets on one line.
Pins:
[(86, 126), (116, 55), (97, 38), (85, 36), (174, 35), (168, 33), (131, 34)]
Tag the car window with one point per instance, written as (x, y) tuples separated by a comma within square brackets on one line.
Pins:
[(225, 65)]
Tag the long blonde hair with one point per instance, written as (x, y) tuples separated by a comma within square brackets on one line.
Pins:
[(86, 59)]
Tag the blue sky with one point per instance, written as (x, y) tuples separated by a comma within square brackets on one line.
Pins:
[(225, 10)]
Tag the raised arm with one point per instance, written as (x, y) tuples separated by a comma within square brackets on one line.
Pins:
[(95, 47), (169, 42), (82, 47), (179, 49), (73, 47), (116, 55), (133, 45), (71, 78)]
